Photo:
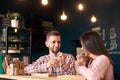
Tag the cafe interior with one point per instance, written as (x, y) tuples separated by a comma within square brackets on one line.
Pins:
[(70, 17)]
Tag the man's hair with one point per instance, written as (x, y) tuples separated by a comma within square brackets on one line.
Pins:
[(52, 33)]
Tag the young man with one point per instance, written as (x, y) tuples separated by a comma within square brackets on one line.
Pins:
[(55, 62)]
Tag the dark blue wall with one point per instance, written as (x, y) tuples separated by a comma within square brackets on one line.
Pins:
[(108, 19)]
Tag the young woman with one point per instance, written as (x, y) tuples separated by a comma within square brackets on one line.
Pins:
[(95, 63)]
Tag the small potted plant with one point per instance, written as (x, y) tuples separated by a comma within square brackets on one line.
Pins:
[(14, 19)]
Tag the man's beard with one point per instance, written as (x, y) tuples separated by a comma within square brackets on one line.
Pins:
[(55, 52)]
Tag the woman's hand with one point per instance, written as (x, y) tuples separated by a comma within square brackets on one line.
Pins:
[(81, 59)]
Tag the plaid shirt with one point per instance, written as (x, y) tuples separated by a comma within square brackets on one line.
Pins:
[(40, 66)]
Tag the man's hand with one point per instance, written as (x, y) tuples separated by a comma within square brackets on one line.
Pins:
[(56, 61), (53, 63), (61, 57)]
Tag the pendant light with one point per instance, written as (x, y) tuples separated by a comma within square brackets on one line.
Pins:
[(93, 17), (80, 5), (15, 30), (63, 16), (44, 2)]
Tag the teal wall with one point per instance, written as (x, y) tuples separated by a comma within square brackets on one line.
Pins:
[(108, 19)]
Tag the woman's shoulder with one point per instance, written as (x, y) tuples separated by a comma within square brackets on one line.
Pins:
[(102, 59)]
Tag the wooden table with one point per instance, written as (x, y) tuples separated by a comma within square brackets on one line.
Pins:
[(62, 77)]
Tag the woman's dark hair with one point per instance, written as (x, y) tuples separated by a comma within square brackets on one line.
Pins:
[(92, 41)]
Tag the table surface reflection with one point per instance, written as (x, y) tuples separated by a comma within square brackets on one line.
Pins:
[(41, 77)]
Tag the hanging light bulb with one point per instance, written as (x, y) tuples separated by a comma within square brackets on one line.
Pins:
[(63, 16), (80, 6), (93, 19), (44, 2), (15, 30)]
